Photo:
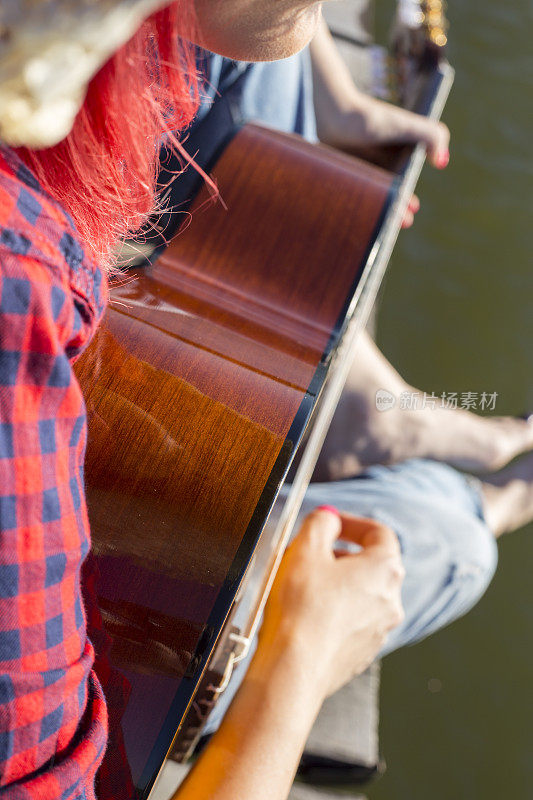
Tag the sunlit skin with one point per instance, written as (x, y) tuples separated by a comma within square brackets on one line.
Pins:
[(256, 30)]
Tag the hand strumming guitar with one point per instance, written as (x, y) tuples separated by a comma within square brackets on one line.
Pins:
[(325, 621), (337, 608)]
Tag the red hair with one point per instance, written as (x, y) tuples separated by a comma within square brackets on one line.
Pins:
[(104, 172)]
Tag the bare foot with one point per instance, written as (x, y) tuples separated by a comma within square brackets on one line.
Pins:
[(508, 496), (466, 440), (361, 435)]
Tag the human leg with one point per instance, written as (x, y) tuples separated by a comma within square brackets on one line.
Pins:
[(508, 496), (361, 435)]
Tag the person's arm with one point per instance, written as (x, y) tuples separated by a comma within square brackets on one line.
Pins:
[(347, 118), (325, 621), (255, 752), (52, 712)]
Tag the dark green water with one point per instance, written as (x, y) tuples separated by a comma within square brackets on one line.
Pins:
[(456, 316), (457, 710)]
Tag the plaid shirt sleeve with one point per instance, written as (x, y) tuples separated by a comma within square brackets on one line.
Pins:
[(53, 721)]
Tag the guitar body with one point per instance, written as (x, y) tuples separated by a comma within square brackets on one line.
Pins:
[(199, 385)]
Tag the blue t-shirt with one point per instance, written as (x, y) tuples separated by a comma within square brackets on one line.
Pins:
[(276, 93)]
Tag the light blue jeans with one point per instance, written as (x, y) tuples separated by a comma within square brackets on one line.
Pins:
[(448, 552)]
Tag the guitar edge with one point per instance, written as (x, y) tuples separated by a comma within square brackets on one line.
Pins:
[(198, 387)]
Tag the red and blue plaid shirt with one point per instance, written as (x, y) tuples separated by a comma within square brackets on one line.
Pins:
[(53, 721)]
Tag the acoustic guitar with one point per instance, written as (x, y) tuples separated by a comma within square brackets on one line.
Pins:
[(211, 365)]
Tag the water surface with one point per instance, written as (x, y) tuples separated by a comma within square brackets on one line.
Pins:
[(456, 315)]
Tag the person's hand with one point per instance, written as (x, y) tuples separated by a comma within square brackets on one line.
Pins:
[(368, 122), (410, 211), (334, 611), (389, 124), (364, 121), (350, 120), (325, 621)]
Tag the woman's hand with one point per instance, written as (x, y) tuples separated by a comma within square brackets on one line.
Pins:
[(333, 612), (350, 120), (326, 619), (367, 121)]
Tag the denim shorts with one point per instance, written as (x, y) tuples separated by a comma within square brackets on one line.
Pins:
[(448, 552)]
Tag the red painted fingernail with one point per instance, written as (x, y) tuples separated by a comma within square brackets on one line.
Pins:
[(331, 509), (443, 159)]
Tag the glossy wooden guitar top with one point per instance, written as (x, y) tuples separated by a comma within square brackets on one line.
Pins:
[(198, 388)]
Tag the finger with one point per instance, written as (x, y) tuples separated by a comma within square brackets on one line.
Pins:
[(408, 219), (398, 125), (409, 215), (414, 204), (441, 159), (322, 527), (370, 534), (438, 147), (435, 135)]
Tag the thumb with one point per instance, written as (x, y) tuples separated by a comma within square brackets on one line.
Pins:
[(370, 535), (323, 527)]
